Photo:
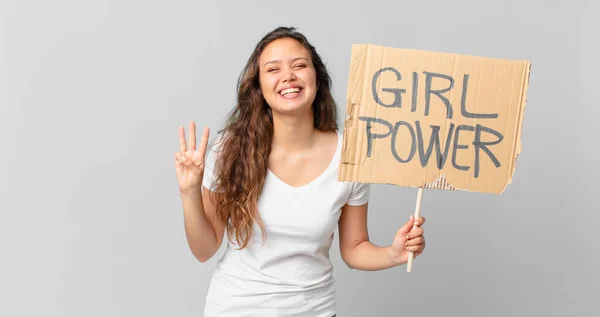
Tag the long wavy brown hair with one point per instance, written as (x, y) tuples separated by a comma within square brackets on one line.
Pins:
[(245, 144)]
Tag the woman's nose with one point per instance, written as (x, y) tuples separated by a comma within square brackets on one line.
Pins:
[(289, 75)]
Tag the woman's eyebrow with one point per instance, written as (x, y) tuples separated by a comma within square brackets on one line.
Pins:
[(279, 61)]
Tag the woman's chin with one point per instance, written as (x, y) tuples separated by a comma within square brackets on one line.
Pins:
[(292, 109)]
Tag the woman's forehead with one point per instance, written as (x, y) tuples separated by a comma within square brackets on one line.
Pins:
[(284, 49)]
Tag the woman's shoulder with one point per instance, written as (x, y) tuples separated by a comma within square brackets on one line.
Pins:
[(213, 150), (215, 143), (333, 138)]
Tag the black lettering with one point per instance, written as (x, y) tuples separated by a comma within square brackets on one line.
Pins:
[(483, 146), (428, 79), (372, 136), (433, 140), (396, 91), (415, 91), (412, 145), (460, 146), (463, 107)]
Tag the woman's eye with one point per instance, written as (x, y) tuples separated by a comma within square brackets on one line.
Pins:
[(300, 66), (272, 70)]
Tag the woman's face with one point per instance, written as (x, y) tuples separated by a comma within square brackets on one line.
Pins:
[(287, 76)]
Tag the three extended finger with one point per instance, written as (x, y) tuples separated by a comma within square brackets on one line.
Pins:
[(204, 141), (182, 145), (192, 142)]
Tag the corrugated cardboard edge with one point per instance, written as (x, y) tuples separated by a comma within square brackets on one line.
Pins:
[(518, 144), (353, 99), (440, 183)]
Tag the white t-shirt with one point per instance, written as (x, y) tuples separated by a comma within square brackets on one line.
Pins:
[(291, 274)]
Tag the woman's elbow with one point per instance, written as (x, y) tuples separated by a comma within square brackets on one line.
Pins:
[(348, 260), (202, 255)]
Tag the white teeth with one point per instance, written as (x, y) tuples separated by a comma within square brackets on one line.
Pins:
[(289, 90)]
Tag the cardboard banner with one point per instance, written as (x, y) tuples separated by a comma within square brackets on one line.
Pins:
[(432, 120)]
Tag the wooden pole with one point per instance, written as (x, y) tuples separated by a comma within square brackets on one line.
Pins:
[(411, 255)]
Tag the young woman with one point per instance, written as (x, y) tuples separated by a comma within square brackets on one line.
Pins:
[(270, 182)]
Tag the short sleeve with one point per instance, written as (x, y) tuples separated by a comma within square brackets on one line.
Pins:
[(209, 166), (359, 194)]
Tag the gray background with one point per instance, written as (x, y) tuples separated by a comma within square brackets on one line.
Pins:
[(92, 94)]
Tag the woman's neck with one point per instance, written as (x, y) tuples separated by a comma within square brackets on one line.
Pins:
[(294, 134)]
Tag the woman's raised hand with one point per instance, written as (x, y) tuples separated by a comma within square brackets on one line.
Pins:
[(189, 161)]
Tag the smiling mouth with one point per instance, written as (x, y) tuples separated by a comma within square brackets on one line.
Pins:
[(290, 91)]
